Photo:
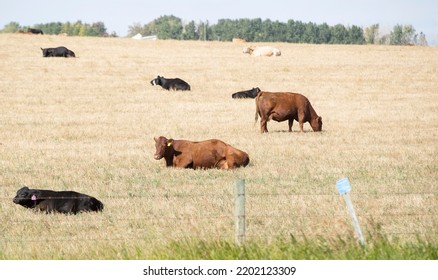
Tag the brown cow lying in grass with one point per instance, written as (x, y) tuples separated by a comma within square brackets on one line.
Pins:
[(67, 202), (204, 154), (281, 106)]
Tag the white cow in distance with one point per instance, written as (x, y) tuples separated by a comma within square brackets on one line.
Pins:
[(262, 51)]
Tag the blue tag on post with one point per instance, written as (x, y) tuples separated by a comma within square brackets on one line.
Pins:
[(343, 186)]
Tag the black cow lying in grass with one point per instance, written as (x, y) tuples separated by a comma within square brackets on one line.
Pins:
[(67, 202), (251, 93), (59, 51), (170, 84)]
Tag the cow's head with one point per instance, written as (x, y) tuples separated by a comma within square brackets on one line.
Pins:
[(162, 144), (70, 53), (316, 124), (248, 50), (26, 197), (157, 81), (47, 52)]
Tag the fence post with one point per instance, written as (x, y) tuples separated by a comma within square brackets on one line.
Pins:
[(239, 211), (343, 186)]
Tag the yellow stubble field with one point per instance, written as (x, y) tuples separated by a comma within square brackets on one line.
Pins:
[(87, 124)]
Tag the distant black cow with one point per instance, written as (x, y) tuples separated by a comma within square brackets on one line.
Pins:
[(59, 51), (252, 93), (35, 31), (67, 202), (170, 84)]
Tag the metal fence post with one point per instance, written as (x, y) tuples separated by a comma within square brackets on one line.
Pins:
[(239, 211)]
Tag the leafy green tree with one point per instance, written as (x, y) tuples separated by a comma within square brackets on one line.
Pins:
[(339, 34), (396, 35), (255, 29), (355, 35), (76, 28), (310, 33), (66, 28), (11, 27), (225, 30), (371, 34), (169, 27), (244, 29), (149, 29), (409, 37), (205, 31), (83, 30), (295, 31), (402, 35), (98, 29), (324, 34), (279, 31), (266, 32), (190, 31)]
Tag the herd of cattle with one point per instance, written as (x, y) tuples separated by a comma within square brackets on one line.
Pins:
[(213, 153)]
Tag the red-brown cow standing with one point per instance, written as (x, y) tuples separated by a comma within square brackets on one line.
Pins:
[(281, 106), (204, 154)]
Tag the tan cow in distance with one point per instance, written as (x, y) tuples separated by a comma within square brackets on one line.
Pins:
[(262, 51), (238, 40), (281, 106), (211, 153)]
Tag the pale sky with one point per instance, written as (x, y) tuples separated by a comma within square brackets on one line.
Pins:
[(119, 14)]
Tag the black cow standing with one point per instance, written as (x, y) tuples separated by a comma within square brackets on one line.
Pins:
[(67, 202), (59, 51), (252, 93), (35, 31), (170, 84)]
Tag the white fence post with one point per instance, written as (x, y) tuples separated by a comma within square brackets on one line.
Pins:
[(343, 186), (239, 211)]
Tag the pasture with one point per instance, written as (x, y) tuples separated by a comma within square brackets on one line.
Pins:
[(87, 124)]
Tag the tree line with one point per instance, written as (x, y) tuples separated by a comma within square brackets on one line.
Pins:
[(252, 30), (258, 30), (77, 28)]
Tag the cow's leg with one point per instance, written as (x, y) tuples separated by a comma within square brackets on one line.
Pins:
[(301, 126), (291, 122), (222, 164), (263, 125), (301, 117), (232, 161), (183, 162)]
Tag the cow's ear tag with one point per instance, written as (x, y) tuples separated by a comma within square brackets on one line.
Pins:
[(33, 197), (169, 144)]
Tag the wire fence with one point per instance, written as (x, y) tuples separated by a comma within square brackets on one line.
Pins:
[(418, 217)]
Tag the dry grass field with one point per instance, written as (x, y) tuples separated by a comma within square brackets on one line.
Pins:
[(87, 124)]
